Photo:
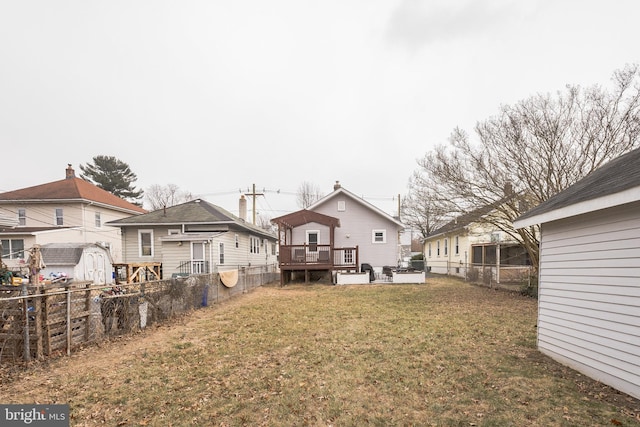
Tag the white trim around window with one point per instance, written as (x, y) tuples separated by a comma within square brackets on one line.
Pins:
[(145, 243), (313, 245), (58, 216), (378, 236), (22, 217)]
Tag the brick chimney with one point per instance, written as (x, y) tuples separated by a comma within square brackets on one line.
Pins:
[(70, 172), (336, 185)]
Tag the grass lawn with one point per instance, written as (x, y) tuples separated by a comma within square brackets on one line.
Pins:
[(445, 353)]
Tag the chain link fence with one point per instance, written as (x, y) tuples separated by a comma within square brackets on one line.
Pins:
[(521, 278), (38, 322)]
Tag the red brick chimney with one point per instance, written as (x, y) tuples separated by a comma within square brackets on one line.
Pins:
[(70, 172)]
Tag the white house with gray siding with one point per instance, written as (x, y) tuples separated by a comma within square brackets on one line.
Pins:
[(196, 237), (375, 232), (589, 274)]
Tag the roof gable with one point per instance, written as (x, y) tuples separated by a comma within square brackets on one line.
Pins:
[(615, 183), (341, 191), (69, 189)]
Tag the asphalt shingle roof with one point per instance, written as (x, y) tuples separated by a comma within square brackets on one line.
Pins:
[(194, 212), (621, 173), (69, 189), (63, 253)]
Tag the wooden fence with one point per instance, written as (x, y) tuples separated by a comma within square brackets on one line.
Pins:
[(56, 319)]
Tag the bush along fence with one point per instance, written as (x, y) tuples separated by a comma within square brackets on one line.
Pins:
[(38, 322)]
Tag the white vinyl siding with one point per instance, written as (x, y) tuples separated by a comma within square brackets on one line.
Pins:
[(356, 225), (589, 295)]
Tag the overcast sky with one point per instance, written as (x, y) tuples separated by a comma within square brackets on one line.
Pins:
[(215, 96)]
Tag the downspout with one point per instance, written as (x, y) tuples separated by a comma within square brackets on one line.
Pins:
[(211, 266), (449, 248)]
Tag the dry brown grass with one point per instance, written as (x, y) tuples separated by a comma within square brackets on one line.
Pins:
[(445, 353)]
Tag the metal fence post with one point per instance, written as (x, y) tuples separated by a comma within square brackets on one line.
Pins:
[(25, 333), (68, 290)]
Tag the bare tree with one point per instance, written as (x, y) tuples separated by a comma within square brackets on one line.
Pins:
[(159, 196), (421, 209), (307, 195), (534, 149)]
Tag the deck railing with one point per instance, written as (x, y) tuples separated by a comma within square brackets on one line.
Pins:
[(194, 267), (318, 256)]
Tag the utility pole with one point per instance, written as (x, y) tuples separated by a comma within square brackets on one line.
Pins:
[(254, 194)]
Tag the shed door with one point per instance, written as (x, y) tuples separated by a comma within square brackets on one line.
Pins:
[(95, 267)]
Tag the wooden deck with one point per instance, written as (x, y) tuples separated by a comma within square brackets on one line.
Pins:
[(317, 258)]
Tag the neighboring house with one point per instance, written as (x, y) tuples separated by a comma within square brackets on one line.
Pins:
[(79, 261), (339, 232), (589, 274), (68, 210), (194, 238), (470, 247)]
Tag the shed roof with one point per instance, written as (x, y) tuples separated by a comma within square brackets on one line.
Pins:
[(65, 253), (613, 184)]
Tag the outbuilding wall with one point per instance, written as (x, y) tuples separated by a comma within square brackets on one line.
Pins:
[(589, 295)]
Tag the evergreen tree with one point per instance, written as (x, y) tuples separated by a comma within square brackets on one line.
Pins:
[(112, 175)]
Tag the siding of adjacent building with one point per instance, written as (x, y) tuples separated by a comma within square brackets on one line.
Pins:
[(172, 253), (589, 295), (78, 224)]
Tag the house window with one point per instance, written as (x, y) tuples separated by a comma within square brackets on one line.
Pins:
[(429, 250), (457, 249), (22, 216), (446, 247), (59, 220), (273, 249), (237, 241), (98, 220), (145, 242), (476, 255), (222, 252), (342, 206), (438, 248), (379, 236), (313, 236), (484, 254), (254, 245), (12, 248)]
